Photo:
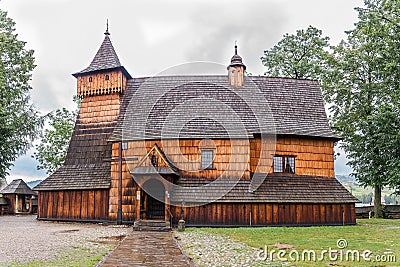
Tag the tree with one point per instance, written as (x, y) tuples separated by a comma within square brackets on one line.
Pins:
[(19, 120), (362, 86), (360, 78), (299, 56), (54, 143)]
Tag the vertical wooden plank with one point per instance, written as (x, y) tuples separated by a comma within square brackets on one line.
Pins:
[(209, 213), (105, 204), (45, 202), (39, 196), (234, 214), (91, 206), (310, 214), (219, 213), (269, 213), (65, 204), (240, 216), (282, 213), (195, 214), (328, 213), (316, 214), (243, 214), (275, 212), (288, 215), (54, 204), (305, 215), (254, 214), (73, 207), (78, 204), (261, 214), (292, 214), (84, 207), (97, 205), (335, 214), (60, 204), (203, 214), (50, 205), (353, 213), (299, 212), (246, 214), (322, 212), (224, 213)]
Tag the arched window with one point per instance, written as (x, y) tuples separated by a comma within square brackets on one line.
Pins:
[(107, 77), (90, 79)]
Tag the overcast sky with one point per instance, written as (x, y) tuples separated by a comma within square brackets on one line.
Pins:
[(150, 36)]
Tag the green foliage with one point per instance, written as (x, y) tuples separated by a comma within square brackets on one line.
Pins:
[(19, 120), (363, 89), (360, 78), (299, 56), (54, 143)]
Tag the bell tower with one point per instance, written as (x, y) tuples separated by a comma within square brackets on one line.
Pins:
[(236, 70), (105, 74), (101, 85)]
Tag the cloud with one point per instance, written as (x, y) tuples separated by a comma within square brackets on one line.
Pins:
[(254, 25), (341, 166), (25, 168), (152, 36)]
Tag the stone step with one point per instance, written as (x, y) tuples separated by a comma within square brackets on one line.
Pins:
[(151, 225)]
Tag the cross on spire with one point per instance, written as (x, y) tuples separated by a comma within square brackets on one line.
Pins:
[(107, 33), (235, 47)]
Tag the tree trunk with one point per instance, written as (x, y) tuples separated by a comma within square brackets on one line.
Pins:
[(377, 202)]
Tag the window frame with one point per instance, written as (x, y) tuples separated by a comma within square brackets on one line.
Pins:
[(210, 165), (284, 160)]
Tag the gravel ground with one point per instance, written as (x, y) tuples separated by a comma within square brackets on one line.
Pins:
[(218, 250), (24, 239)]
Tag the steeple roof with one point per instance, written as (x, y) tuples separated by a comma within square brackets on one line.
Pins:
[(236, 60), (17, 187), (106, 58)]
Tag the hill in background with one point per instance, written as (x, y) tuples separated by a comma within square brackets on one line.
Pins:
[(32, 184), (365, 194)]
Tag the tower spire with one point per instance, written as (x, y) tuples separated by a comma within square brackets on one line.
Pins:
[(236, 70), (107, 33), (235, 47)]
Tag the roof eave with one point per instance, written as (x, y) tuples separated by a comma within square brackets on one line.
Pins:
[(84, 73)]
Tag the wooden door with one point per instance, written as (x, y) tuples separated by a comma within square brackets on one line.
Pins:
[(155, 197)]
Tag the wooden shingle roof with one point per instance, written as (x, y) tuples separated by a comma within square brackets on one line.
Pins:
[(19, 187), (85, 166), (274, 189), (78, 176), (207, 107), (105, 59)]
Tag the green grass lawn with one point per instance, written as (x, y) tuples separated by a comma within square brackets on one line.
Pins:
[(72, 257), (379, 236)]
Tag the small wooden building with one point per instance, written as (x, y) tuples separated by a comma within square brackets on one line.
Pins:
[(4, 206), (231, 150), (19, 197)]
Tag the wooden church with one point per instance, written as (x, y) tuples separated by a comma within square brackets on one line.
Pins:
[(214, 150)]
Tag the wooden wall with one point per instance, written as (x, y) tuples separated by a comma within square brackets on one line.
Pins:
[(128, 191), (99, 85), (237, 158), (74, 204), (313, 156), (259, 214), (11, 201), (99, 109)]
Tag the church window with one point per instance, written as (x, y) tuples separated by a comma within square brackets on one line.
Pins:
[(207, 156)]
